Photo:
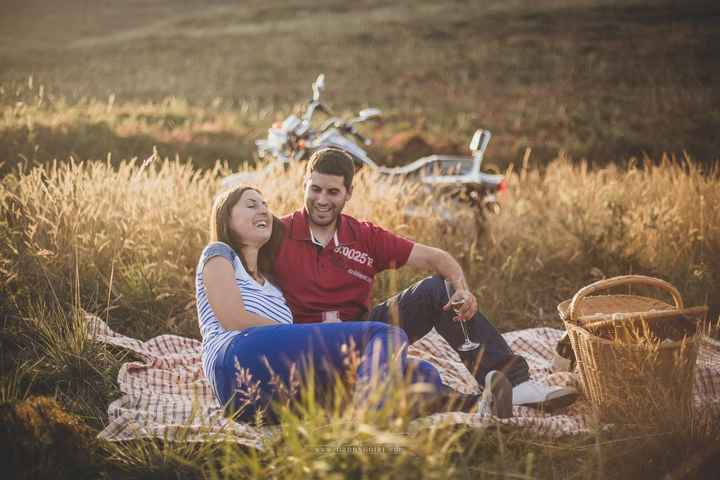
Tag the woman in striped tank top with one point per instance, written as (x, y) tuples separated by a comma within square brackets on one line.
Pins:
[(249, 341)]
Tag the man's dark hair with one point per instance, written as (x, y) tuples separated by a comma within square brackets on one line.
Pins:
[(332, 161)]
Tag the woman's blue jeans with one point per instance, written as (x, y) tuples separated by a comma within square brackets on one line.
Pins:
[(268, 354)]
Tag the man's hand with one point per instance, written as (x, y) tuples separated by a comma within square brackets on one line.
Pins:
[(442, 263), (464, 303)]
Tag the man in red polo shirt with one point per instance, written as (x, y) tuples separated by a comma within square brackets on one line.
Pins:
[(327, 263)]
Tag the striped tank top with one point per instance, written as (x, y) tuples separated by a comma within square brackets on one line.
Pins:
[(266, 300)]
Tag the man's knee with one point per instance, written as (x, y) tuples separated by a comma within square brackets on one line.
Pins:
[(436, 282), (432, 287)]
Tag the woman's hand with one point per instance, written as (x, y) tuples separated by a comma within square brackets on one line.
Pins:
[(331, 317)]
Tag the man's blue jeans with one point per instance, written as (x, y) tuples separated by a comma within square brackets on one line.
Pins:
[(418, 309)]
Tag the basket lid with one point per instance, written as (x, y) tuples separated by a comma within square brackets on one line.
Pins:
[(584, 305), (599, 306)]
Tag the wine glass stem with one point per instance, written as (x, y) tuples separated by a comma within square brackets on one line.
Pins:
[(462, 325)]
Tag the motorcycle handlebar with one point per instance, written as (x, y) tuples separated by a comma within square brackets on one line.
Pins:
[(314, 106), (358, 135), (340, 124), (331, 122)]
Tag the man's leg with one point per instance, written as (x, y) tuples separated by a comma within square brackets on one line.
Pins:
[(418, 309)]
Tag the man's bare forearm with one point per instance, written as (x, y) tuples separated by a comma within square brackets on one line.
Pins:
[(442, 263), (447, 267), (439, 262)]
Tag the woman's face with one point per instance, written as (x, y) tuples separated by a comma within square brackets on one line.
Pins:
[(250, 219)]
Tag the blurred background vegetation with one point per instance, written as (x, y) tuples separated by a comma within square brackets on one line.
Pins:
[(599, 79)]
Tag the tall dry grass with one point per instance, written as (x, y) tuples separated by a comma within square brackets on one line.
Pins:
[(568, 225), (123, 242), (134, 233)]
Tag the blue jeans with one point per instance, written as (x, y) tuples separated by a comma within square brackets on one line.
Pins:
[(274, 350), (418, 309)]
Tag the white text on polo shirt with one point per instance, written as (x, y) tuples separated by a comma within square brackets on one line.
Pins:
[(355, 255), (359, 275)]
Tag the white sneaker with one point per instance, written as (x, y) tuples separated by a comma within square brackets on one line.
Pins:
[(497, 396), (548, 397)]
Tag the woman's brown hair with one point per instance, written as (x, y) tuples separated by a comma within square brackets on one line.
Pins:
[(220, 229)]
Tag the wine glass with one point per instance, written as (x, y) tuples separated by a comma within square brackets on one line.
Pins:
[(467, 345)]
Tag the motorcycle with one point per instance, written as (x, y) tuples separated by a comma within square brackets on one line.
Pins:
[(459, 178)]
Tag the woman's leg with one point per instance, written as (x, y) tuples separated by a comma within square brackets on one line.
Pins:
[(273, 354)]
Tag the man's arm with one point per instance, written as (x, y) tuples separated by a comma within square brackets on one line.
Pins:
[(442, 263)]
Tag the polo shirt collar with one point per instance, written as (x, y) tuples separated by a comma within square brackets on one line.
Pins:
[(300, 228), (319, 244)]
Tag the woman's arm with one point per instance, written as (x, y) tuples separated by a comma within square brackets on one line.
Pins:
[(225, 299)]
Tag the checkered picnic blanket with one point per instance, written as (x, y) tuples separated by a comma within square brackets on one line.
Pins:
[(166, 395)]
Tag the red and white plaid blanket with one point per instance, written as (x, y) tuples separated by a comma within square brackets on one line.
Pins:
[(166, 395)]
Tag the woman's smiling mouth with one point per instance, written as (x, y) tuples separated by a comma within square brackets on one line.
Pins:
[(261, 223)]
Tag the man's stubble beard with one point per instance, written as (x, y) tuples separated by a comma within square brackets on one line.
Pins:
[(335, 214), (330, 221)]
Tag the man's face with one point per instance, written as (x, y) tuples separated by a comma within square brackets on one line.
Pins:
[(325, 197)]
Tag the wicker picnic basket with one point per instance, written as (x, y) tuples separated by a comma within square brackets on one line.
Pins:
[(635, 354)]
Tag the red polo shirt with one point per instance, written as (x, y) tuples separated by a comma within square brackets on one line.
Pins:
[(338, 277)]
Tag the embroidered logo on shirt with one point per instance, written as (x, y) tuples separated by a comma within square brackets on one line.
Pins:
[(359, 275)]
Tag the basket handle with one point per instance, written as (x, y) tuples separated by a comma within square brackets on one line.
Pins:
[(622, 280)]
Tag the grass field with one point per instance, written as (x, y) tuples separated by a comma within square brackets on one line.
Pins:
[(106, 82)]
